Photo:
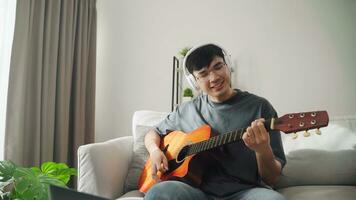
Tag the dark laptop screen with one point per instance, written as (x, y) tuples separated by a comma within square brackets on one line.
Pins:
[(60, 193)]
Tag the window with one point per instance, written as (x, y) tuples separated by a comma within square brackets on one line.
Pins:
[(7, 23)]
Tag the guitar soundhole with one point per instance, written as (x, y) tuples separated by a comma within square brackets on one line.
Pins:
[(182, 154)]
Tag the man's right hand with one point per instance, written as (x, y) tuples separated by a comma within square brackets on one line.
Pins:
[(157, 157), (159, 163)]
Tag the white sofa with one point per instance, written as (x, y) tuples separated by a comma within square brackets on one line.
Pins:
[(318, 167)]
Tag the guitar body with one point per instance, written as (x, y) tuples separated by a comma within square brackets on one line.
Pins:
[(186, 169)]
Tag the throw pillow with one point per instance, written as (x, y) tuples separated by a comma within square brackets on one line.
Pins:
[(329, 159), (139, 157)]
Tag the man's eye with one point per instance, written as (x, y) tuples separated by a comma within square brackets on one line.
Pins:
[(203, 75), (219, 66)]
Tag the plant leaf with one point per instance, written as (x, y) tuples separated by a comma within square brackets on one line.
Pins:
[(58, 170), (36, 170), (29, 184), (24, 172), (65, 174), (5, 196), (49, 167), (7, 169), (45, 179), (33, 183)]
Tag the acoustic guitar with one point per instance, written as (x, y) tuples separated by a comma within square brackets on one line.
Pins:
[(183, 149)]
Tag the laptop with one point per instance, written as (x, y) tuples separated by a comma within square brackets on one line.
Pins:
[(61, 193)]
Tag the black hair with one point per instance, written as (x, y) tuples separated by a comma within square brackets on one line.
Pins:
[(202, 57)]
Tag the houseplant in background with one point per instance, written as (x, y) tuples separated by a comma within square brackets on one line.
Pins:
[(187, 94), (32, 183), (184, 51)]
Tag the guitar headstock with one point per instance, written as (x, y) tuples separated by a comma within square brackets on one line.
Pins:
[(294, 122)]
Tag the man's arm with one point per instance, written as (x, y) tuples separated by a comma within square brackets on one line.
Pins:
[(152, 141), (157, 157), (257, 138), (269, 168)]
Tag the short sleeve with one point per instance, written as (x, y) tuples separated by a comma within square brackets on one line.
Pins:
[(169, 123), (275, 136)]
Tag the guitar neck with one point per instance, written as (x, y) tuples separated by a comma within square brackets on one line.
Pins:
[(221, 140)]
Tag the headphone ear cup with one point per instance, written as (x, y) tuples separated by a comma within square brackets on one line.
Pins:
[(192, 82), (228, 61)]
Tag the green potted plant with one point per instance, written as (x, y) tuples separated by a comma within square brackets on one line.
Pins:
[(184, 51), (32, 183), (187, 94)]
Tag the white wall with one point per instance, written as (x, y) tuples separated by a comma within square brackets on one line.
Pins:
[(300, 55)]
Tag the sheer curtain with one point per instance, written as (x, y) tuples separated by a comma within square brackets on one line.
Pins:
[(7, 22)]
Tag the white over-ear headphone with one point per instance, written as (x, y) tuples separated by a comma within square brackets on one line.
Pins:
[(190, 77)]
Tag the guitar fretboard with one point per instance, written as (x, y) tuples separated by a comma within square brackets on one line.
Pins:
[(219, 140)]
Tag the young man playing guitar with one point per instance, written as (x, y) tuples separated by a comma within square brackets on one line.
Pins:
[(243, 170)]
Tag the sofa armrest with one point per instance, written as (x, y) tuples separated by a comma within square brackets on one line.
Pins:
[(102, 167)]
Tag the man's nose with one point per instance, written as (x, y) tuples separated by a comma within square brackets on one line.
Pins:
[(213, 76)]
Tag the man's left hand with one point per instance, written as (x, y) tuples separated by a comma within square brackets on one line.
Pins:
[(256, 137)]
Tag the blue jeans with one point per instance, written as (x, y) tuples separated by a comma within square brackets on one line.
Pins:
[(175, 190)]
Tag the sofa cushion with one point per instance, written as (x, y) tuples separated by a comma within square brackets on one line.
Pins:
[(319, 167), (320, 160), (139, 157), (146, 118), (142, 122), (319, 192)]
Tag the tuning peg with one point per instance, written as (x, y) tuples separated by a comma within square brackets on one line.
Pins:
[(317, 131), (295, 135), (306, 134)]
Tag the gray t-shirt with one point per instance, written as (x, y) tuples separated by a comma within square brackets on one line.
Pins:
[(234, 165)]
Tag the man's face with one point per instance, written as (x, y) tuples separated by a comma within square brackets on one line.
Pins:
[(215, 80)]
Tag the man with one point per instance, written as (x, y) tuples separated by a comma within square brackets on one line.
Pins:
[(242, 170)]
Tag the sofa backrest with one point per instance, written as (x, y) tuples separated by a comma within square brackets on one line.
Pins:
[(328, 159), (146, 118)]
